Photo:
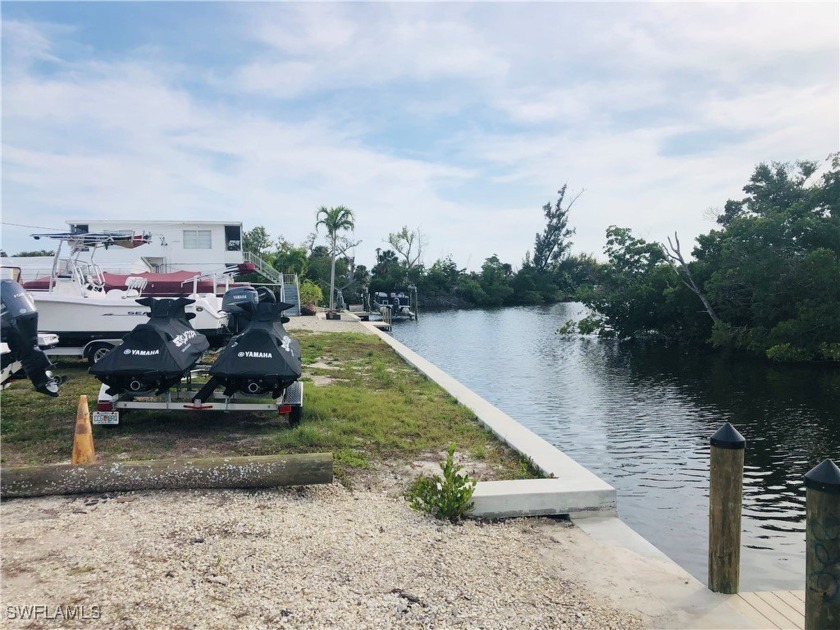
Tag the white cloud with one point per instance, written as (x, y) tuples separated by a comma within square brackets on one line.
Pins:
[(527, 97), (161, 154), (315, 48), (25, 42)]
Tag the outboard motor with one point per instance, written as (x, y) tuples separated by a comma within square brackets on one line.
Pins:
[(259, 360), (232, 303), (239, 315), (155, 355), (20, 332)]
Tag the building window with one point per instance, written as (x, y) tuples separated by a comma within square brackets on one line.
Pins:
[(197, 239), (233, 238)]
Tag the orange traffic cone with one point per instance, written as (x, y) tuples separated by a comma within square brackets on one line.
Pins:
[(83, 452)]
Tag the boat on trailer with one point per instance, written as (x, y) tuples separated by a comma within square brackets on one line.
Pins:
[(397, 302), (79, 306)]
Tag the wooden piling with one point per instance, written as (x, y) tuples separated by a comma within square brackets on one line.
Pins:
[(726, 481), (822, 547)]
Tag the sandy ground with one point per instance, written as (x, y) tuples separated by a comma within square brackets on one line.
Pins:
[(320, 324), (315, 557)]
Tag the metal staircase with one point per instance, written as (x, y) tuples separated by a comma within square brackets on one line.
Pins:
[(263, 268), (290, 293), (288, 282)]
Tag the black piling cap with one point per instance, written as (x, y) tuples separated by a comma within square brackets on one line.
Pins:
[(824, 477), (728, 437)]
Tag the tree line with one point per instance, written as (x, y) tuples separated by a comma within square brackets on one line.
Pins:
[(766, 280), (550, 275)]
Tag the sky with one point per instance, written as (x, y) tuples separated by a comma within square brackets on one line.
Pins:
[(458, 119)]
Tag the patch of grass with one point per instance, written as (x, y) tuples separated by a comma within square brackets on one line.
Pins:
[(352, 459), (376, 407), (479, 452)]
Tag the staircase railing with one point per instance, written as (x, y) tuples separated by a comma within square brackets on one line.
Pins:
[(291, 292), (263, 268)]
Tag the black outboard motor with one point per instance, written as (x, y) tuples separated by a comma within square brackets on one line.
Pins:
[(155, 355), (239, 316), (232, 302), (20, 332), (261, 359)]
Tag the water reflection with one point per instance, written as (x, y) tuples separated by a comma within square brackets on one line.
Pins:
[(640, 416)]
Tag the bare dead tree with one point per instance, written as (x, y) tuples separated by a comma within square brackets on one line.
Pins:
[(409, 245), (342, 247), (675, 258)]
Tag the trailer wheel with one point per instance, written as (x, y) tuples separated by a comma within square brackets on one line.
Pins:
[(97, 351), (295, 415)]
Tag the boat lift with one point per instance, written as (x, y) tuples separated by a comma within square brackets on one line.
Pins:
[(184, 397)]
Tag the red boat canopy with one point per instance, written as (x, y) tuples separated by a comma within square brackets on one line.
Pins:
[(175, 284)]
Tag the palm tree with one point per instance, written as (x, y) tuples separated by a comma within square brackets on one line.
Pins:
[(335, 220)]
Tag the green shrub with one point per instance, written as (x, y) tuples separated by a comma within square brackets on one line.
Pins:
[(446, 497), (310, 292), (830, 351), (352, 458), (787, 352)]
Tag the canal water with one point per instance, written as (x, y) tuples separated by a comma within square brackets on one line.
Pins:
[(640, 416)]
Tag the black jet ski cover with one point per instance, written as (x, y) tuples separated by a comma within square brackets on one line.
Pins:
[(155, 355), (19, 319), (263, 358)]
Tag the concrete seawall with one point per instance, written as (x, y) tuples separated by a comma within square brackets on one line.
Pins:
[(569, 488), (637, 573)]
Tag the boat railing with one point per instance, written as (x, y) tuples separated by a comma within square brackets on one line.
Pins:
[(220, 279), (212, 275), (136, 283)]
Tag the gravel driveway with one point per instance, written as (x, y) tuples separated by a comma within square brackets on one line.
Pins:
[(315, 557)]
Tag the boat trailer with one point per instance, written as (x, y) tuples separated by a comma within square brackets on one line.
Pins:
[(187, 396)]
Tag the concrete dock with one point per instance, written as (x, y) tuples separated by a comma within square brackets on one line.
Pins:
[(570, 489)]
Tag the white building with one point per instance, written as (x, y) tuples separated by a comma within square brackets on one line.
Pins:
[(175, 245)]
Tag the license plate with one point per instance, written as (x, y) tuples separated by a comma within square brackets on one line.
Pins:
[(105, 417)]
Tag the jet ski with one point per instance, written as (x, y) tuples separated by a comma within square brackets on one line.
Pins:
[(155, 355), (263, 358), (20, 334)]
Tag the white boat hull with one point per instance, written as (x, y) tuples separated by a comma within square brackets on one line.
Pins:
[(78, 320)]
